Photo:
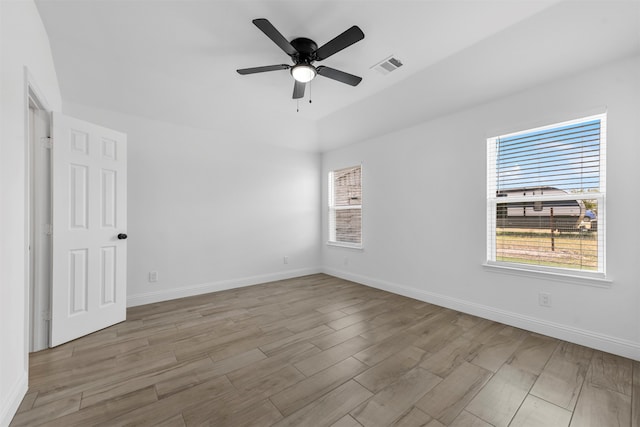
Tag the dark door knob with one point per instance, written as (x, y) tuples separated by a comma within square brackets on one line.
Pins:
[(122, 236)]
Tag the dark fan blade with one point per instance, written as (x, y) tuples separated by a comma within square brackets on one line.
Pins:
[(254, 70), (275, 35), (338, 75), (344, 40), (298, 90)]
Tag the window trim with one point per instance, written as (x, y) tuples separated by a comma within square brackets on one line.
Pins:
[(331, 208), (564, 275), (345, 245), (595, 278)]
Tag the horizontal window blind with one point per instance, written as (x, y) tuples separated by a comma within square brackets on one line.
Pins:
[(567, 157), (545, 192), (345, 206)]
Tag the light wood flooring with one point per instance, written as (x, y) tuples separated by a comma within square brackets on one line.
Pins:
[(320, 351)]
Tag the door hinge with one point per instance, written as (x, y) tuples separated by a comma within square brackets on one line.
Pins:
[(48, 229), (46, 315), (47, 142)]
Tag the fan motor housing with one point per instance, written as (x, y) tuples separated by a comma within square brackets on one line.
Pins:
[(306, 47)]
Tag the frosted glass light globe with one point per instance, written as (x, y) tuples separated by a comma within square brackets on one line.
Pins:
[(303, 73)]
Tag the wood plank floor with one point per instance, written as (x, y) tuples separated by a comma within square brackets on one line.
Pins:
[(320, 351)]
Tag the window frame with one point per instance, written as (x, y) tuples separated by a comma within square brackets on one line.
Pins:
[(332, 208), (494, 203)]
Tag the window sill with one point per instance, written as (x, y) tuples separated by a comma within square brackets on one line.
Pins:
[(346, 245), (598, 280)]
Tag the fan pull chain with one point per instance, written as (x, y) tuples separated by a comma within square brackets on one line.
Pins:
[(297, 105), (309, 92)]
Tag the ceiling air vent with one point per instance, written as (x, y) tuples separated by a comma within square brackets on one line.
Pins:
[(387, 65)]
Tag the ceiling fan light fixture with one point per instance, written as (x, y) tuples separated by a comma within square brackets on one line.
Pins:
[(303, 72), (304, 52)]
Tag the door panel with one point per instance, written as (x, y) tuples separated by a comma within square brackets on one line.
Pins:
[(78, 281), (108, 199), (78, 207), (108, 275), (89, 174)]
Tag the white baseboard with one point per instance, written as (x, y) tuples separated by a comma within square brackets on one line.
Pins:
[(12, 402), (587, 338), (223, 285)]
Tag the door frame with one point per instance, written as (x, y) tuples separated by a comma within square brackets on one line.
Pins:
[(36, 332)]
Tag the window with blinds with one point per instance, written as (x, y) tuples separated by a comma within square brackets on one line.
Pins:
[(546, 197), (345, 206)]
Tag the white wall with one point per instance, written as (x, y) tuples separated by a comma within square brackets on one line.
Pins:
[(424, 213), (24, 43), (210, 211)]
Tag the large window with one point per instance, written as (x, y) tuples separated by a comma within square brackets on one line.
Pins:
[(345, 207), (546, 197)]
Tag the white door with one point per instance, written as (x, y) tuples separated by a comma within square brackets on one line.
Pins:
[(89, 270)]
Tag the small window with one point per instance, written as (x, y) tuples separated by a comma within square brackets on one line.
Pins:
[(345, 207), (545, 196)]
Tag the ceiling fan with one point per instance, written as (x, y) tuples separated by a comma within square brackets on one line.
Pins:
[(304, 52)]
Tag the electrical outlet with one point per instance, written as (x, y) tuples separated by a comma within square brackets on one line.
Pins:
[(153, 276), (285, 259), (544, 299)]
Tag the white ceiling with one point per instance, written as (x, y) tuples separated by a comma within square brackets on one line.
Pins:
[(175, 61)]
